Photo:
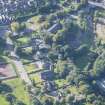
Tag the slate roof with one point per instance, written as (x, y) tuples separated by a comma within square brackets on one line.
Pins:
[(55, 28), (47, 75)]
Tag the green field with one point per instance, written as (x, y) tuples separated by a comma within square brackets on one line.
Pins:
[(18, 90)]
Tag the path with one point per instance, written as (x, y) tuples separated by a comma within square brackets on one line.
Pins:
[(22, 73), (19, 66)]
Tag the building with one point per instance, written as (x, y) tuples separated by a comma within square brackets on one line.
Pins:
[(9, 45), (77, 1), (55, 28), (47, 75), (3, 31), (49, 86), (101, 85), (97, 3)]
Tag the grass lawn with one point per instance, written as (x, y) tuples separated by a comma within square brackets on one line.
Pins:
[(37, 79), (23, 40), (3, 100), (25, 61), (61, 82), (73, 90), (18, 90), (30, 67), (34, 23)]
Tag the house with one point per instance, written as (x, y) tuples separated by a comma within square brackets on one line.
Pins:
[(9, 45), (15, 34), (44, 48), (26, 32), (77, 1), (16, 6), (49, 86), (39, 55), (5, 20), (47, 75), (101, 21), (22, 33), (3, 31), (41, 51), (101, 85), (54, 28), (100, 4), (47, 65)]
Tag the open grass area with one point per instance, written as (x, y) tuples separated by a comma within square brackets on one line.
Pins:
[(18, 90), (3, 100), (23, 40), (74, 90), (61, 82), (30, 67), (36, 77), (38, 81), (34, 23)]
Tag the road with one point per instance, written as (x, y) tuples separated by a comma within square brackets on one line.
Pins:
[(18, 64), (21, 71)]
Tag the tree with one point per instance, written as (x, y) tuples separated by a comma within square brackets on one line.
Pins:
[(58, 39), (68, 51), (35, 102), (48, 102), (20, 103), (48, 39), (11, 98), (52, 56), (2, 45), (22, 26), (62, 69), (80, 51), (15, 26), (70, 99), (90, 98), (99, 65)]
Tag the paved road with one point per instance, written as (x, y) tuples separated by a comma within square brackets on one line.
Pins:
[(19, 66), (21, 71)]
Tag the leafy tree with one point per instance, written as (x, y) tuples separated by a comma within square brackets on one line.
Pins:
[(70, 99), (11, 98), (58, 39), (2, 45), (99, 65), (15, 26), (48, 102), (62, 68), (48, 39), (52, 56), (82, 50)]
